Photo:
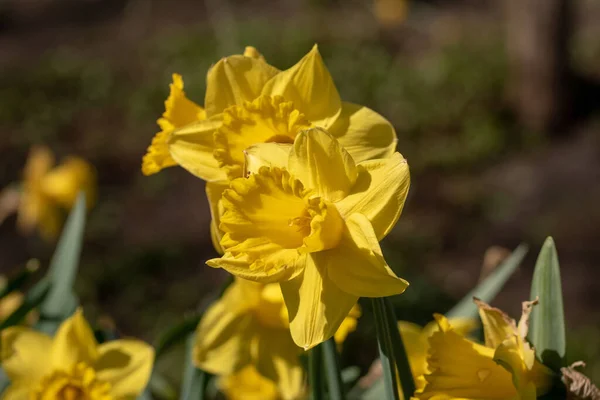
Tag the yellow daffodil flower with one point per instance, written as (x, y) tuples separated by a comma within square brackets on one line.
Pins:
[(48, 192), (72, 365), (416, 343), (248, 326), (249, 101), (245, 338), (315, 227), (248, 384), (504, 368)]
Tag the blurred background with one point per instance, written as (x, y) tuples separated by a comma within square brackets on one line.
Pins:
[(495, 104)]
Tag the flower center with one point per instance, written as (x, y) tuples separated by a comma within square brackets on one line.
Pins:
[(266, 119), (270, 213), (79, 383)]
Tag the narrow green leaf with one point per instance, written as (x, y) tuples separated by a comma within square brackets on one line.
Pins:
[(161, 387), (20, 278), (315, 372), (407, 382), (32, 299), (489, 288), (386, 349), (195, 380), (547, 323), (61, 301), (332, 368), (176, 334)]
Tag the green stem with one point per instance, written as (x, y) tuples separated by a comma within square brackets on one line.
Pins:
[(386, 349), (315, 372), (332, 367), (402, 365)]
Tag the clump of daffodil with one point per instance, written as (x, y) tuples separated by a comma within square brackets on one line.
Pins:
[(503, 368), (72, 365), (49, 191), (311, 220), (245, 338), (249, 101)]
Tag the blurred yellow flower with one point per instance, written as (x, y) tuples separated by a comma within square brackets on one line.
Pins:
[(390, 13), (315, 228), (72, 365), (245, 338), (416, 343), (504, 368), (50, 191), (248, 384), (249, 326), (249, 101)]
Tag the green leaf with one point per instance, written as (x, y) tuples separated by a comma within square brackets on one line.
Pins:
[(315, 373), (32, 299), (405, 375), (16, 282), (547, 323), (176, 334), (489, 288), (332, 368), (195, 380), (386, 349), (61, 301)]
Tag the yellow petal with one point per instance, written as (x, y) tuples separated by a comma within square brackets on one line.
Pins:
[(252, 52), (275, 265), (179, 111), (277, 358), (462, 326), (318, 160), (416, 345), (192, 147), (17, 391), (266, 155), (234, 80), (74, 342), (309, 85), (39, 162), (497, 326), (512, 354), (214, 191), (126, 365), (365, 134), (357, 265), (316, 306), (248, 384), (379, 193), (463, 369), (224, 334), (22, 350), (63, 183)]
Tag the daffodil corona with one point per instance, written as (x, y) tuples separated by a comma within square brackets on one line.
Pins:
[(312, 220), (72, 365), (504, 368)]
